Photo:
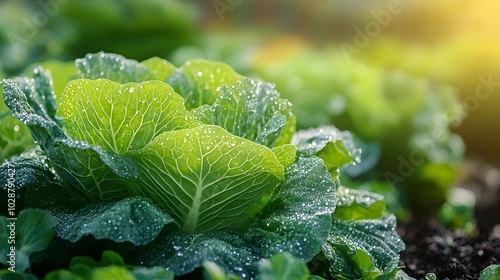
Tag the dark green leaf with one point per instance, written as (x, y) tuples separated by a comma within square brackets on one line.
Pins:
[(250, 109), (9, 275), (297, 220), (304, 202), (492, 272), (142, 273), (363, 249), (33, 233), (113, 67), (132, 219)]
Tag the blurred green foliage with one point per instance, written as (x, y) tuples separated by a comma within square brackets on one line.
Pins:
[(403, 123), (40, 30)]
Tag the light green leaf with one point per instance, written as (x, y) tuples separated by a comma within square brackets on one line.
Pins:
[(297, 220), (121, 118), (207, 178), (83, 167), (15, 137), (363, 249), (160, 68), (288, 131), (111, 266), (110, 273), (283, 266), (33, 233), (335, 147), (285, 153), (213, 272), (358, 205), (111, 258), (199, 81), (250, 109), (492, 272), (132, 219)]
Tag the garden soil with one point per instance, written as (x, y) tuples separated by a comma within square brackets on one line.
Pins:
[(431, 248)]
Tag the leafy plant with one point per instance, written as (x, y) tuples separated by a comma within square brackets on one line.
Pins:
[(159, 27), (15, 137), (402, 123), (182, 167)]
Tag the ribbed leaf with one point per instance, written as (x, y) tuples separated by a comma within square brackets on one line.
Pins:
[(207, 178)]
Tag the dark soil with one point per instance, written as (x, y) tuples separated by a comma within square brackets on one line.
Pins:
[(431, 248)]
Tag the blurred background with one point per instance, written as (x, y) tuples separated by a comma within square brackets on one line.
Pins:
[(417, 82)]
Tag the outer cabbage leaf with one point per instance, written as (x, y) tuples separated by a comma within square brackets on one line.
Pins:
[(132, 219), (82, 166), (365, 244), (363, 249), (199, 81), (207, 178), (119, 69), (250, 109), (121, 118), (297, 220), (34, 231), (335, 147), (41, 188), (60, 72), (39, 93)]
